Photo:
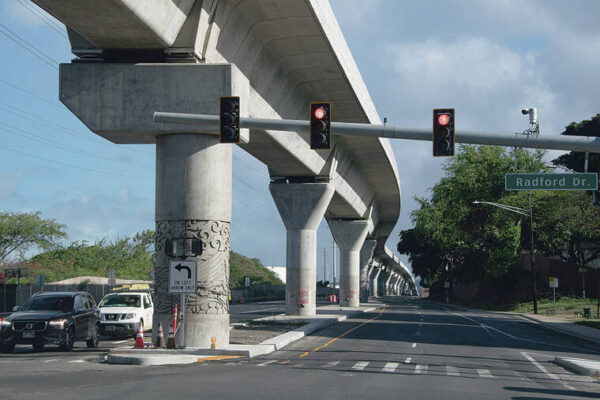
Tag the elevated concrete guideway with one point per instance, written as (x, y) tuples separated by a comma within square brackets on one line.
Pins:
[(278, 56)]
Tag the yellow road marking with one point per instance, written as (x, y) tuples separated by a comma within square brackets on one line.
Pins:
[(343, 334), (285, 362), (212, 358)]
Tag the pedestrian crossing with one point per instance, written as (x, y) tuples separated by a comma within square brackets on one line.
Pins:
[(405, 366)]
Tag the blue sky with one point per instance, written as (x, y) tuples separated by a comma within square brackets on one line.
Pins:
[(486, 59)]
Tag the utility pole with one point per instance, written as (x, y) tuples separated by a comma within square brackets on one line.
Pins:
[(324, 265), (533, 274), (334, 265)]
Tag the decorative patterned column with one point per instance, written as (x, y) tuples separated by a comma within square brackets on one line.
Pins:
[(366, 252), (193, 200), (387, 283)]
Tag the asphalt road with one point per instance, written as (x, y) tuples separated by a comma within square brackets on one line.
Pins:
[(410, 350)]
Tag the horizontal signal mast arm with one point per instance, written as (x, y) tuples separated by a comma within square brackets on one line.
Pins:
[(569, 143)]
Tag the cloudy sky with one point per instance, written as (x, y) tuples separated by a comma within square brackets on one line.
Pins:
[(488, 59)]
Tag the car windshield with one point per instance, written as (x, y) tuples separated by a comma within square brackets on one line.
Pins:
[(121, 301), (50, 303)]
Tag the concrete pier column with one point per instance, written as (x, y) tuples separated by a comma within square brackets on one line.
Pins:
[(379, 273), (366, 252), (373, 278), (193, 200), (301, 207), (349, 235), (387, 283), (393, 284)]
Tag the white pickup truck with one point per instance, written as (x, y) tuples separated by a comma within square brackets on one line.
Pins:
[(122, 313)]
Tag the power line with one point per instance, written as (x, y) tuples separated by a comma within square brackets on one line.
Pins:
[(34, 138), (35, 11), (31, 48), (53, 103), (72, 166)]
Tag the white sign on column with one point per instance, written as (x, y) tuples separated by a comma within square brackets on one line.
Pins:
[(182, 277)]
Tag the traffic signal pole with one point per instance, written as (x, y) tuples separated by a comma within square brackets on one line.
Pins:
[(570, 143)]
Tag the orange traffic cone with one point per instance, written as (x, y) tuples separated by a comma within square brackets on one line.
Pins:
[(160, 338), (139, 338)]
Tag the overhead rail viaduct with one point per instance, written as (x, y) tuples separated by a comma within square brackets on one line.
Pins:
[(133, 59)]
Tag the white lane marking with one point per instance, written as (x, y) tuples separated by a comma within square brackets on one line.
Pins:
[(360, 365), (121, 341), (266, 363), (51, 360), (390, 367), (331, 364), (414, 345), (544, 370), (485, 373), (420, 369), (452, 371), (407, 361), (259, 310), (77, 361)]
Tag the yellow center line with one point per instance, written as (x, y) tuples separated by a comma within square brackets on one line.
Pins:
[(343, 334), (212, 358)]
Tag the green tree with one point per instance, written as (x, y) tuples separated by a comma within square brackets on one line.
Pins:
[(454, 239), (21, 232)]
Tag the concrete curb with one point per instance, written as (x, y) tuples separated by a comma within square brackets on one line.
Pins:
[(569, 332), (587, 367), (193, 355)]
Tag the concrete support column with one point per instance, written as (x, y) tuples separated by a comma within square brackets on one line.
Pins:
[(381, 282), (393, 285), (193, 200), (301, 207), (374, 281), (387, 283), (366, 252), (349, 235)]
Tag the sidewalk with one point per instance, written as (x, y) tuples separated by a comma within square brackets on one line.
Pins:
[(326, 315), (580, 365)]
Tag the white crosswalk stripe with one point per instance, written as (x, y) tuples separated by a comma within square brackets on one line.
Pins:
[(390, 367), (420, 369), (408, 360), (452, 371), (360, 365), (331, 364), (485, 373)]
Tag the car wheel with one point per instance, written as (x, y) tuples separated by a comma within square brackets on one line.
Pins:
[(7, 348), (67, 343), (38, 347), (92, 343)]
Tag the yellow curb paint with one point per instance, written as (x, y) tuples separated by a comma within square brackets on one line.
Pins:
[(343, 334), (213, 358)]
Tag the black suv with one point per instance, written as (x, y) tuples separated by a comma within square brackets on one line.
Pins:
[(51, 318)]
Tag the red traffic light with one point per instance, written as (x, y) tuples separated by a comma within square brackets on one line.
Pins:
[(443, 119), (320, 113)]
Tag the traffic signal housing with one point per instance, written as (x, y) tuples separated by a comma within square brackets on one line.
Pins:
[(320, 126), (229, 119), (443, 132)]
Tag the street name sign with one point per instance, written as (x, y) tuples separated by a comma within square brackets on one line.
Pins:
[(581, 181), (182, 277)]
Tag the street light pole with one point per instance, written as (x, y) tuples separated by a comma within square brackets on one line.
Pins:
[(529, 213)]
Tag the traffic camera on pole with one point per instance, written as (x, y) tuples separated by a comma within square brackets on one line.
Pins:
[(229, 119), (320, 126), (443, 132)]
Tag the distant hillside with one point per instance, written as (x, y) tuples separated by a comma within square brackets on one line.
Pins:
[(241, 266), (131, 258)]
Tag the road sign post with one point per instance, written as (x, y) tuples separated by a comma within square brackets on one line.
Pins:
[(182, 281), (553, 283)]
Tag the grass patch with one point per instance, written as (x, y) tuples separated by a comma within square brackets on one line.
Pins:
[(590, 323), (565, 306)]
